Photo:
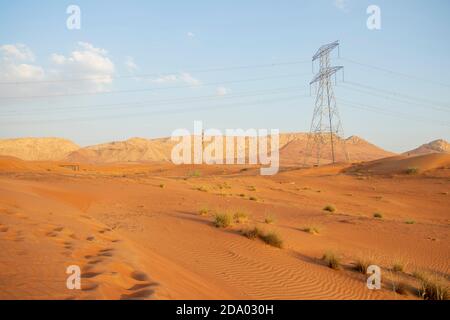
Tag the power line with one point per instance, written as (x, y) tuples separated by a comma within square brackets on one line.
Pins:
[(389, 97), (398, 94), (151, 89), (379, 110), (149, 75), (165, 111), (160, 101), (395, 72)]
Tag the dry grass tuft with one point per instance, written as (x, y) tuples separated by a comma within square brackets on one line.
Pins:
[(332, 260), (223, 220), (329, 208)]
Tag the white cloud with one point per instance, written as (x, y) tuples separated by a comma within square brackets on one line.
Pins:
[(341, 4), (16, 52), (183, 77), (85, 62), (130, 64), (190, 34), (222, 91)]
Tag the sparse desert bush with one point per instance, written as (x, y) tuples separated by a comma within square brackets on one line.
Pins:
[(412, 170), (223, 220), (410, 222), (252, 233), (269, 219), (240, 217), (253, 198), (378, 215), (194, 173), (361, 264), (202, 188), (332, 260), (432, 287), (398, 287), (251, 188), (272, 239), (242, 195), (162, 185), (329, 208), (204, 211), (311, 230), (397, 267)]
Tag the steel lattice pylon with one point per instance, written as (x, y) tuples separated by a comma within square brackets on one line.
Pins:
[(326, 126)]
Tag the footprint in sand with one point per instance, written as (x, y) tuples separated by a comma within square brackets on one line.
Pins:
[(142, 294)]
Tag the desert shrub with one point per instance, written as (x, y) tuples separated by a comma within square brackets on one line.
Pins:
[(204, 211), (432, 287), (240, 217), (361, 264), (398, 287), (253, 198), (329, 208), (202, 188), (311, 230), (269, 219), (251, 188), (223, 220), (162, 185), (252, 233), (195, 173), (272, 239), (410, 222), (397, 267), (412, 170), (332, 260), (378, 215)]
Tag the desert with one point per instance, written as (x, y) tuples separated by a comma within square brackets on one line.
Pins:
[(155, 230)]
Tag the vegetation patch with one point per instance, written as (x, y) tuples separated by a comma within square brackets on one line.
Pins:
[(329, 208), (223, 220), (332, 260)]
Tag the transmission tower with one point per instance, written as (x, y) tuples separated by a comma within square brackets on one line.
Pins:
[(326, 126)]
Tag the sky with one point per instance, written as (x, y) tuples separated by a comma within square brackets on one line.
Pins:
[(146, 68)]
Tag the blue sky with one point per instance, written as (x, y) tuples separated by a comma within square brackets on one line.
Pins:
[(178, 43)]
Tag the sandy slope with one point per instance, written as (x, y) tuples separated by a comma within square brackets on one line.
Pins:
[(136, 232)]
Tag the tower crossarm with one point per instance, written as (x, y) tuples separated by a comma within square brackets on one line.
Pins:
[(325, 49), (325, 73)]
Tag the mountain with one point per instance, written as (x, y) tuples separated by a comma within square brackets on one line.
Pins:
[(37, 148), (292, 150), (436, 146), (134, 149), (358, 149)]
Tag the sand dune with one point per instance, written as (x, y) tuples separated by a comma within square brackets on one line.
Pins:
[(406, 165), (136, 232)]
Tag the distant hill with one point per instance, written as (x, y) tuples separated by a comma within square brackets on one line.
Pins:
[(292, 150), (357, 148), (37, 148), (436, 146)]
